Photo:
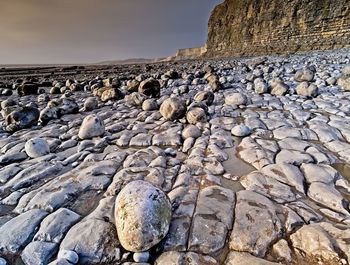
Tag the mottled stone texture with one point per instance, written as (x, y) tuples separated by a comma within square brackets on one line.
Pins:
[(261, 27)]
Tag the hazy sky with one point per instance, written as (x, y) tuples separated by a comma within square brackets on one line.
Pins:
[(83, 31)]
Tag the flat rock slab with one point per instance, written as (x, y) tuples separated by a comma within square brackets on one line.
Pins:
[(39, 253), (17, 233), (256, 224), (54, 226), (85, 239), (242, 258), (212, 219)]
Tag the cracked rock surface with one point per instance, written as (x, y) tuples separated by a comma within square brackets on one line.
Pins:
[(275, 190)]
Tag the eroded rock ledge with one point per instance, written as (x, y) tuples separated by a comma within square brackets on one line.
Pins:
[(255, 27)]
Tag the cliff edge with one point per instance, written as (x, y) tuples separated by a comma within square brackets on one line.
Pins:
[(262, 27)]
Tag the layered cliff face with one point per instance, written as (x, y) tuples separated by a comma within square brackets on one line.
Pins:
[(259, 27)]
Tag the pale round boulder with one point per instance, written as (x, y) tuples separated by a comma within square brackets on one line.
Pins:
[(346, 70), (304, 75), (241, 130), (191, 131), (204, 96), (307, 90), (260, 86), (150, 104), (37, 147), (195, 115), (172, 109), (90, 103), (236, 99), (142, 216), (92, 126)]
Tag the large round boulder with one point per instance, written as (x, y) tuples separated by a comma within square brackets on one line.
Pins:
[(142, 216), (172, 109), (195, 115), (307, 90), (27, 88), (135, 99), (150, 87), (47, 114), (204, 96), (111, 94), (304, 75), (260, 86), (236, 99), (191, 131), (37, 147), (150, 104), (92, 126), (241, 130), (24, 117), (91, 103)]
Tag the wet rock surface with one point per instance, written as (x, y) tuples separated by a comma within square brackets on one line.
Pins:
[(252, 162)]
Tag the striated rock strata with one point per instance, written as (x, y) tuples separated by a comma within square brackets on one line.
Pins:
[(261, 27)]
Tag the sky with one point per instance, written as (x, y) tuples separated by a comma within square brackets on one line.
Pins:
[(88, 31)]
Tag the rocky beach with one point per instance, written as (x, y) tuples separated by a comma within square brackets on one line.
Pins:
[(236, 152), (225, 161)]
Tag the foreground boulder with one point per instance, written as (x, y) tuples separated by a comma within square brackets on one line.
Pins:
[(23, 118), (142, 215), (92, 126), (150, 87), (172, 109)]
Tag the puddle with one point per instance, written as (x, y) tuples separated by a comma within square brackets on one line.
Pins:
[(235, 186), (236, 166), (343, 169)]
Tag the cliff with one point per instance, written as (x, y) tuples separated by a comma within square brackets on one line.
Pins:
[(190, 53), (261, 27)]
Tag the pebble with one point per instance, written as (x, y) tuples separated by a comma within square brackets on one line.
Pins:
[(141, 257), (241, 130), (68, 255)]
